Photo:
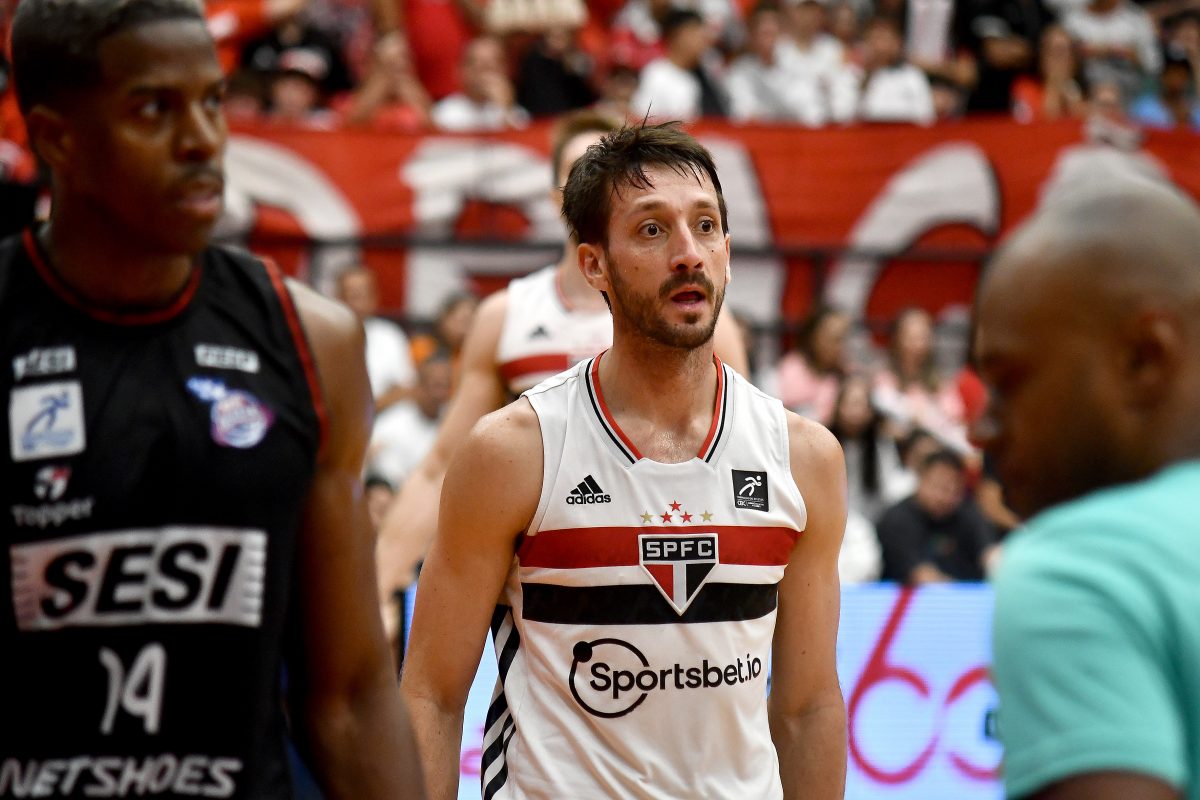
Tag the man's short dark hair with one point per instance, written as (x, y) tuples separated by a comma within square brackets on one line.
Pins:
[(55, 43), (577, 124), (676, 19), (945, 457), (620, 159)]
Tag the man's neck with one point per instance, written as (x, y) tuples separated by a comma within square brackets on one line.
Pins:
[(662, 397), (107, 269)]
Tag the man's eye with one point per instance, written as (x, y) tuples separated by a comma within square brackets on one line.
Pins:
[(152, 109), (651, 229), (707, 226)]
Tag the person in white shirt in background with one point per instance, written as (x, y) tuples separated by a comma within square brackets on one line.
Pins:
[(893, 90), (820, 57), (389, 359), (679, 86), (488, 99), (404, 433), (1118, 42), (769, 83)]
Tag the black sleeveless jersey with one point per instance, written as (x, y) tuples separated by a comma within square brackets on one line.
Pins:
[(152, 483)]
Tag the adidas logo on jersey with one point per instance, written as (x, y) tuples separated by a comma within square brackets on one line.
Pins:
[(587, 493)]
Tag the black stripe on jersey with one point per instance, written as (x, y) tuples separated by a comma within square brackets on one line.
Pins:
[(724, 412), (644, 605), (592, 485), (497, 782), (496, 740), (600, 414)]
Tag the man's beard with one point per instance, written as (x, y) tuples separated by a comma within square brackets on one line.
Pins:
[(644, 312)]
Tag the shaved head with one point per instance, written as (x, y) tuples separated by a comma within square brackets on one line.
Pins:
[(1088, 334)]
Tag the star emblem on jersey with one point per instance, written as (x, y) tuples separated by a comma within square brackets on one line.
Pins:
[(678, 565), (647, 517), (587, 493)]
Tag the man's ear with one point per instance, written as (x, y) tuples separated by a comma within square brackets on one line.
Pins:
[(50, 137), (594, 266), (1154, 349)]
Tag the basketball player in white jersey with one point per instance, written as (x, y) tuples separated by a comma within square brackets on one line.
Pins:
[(646, 535), (535, 328)]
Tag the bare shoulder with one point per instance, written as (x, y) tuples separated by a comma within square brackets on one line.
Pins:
[(511, 433), (329, 324), (812, 446)]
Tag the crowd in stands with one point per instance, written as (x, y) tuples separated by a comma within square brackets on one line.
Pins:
[(475, 65)]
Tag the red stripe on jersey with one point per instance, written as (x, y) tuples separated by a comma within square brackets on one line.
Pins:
[(582, 548), (304, 350), (717, 409), (531, 365), (72, 298), (608, 417)]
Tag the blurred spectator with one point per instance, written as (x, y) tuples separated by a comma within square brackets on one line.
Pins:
[(816, 52), (860, 558), (617, 91), (487, 101), (234, 23), (845, 25), (244, 96), (989, 494), (636, 37), (438, 34), (809, 378), (938, 534), (876, 478), (1118, 43), (1002, 34), (911, 393), (949, 98), (295, 93), (449, 330), (1055, 92), (680, 85), (505, 17), (388, 354), (893, 90), (555, 75), (768, 83), (296, 44), (391, 97), (1175, 104), (404, 433), (380, 493)]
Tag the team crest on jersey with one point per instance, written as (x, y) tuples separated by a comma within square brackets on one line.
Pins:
[(46, 420), (678, 565), (239, 419)]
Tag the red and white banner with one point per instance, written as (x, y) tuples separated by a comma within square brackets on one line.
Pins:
[(871, 218)]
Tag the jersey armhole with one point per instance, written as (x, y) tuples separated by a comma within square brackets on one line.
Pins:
[(303, 351), (551, 463)]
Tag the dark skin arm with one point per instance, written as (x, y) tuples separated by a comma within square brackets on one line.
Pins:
[(1108, 786), (346, 709)]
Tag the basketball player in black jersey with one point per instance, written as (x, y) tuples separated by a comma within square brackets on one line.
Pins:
[(183, 435)]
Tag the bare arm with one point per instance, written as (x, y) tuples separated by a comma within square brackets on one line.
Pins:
[(343, 683), (411, 520), (807, 713), (1109, 786), (490, 494), (728, 344)]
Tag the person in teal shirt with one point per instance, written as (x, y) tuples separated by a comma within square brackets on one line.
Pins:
[(1088, 336)]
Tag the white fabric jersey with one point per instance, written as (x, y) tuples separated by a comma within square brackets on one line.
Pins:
[(541, 337), (635, 627)]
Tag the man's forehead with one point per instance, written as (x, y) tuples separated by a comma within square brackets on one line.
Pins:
[(161, 52), (685, 185)]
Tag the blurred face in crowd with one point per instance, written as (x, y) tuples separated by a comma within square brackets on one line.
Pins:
[(923, 445), (854, 413), (571, 153), (435, 379), (843, 23), (455, 321), (829, 342), (1105, 101), (293, 96), (939, 490), (884, 45), (764, 35), (689, 42), (913, 342), (1176, 79), (1057, 55), (358, 290), (620, 86), (807, 20), (483, 63)]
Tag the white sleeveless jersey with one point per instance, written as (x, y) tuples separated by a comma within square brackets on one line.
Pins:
[(635, 627), (541, 337)]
